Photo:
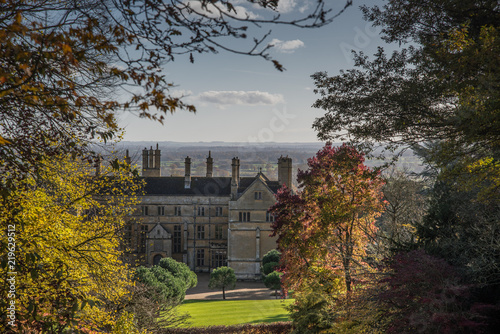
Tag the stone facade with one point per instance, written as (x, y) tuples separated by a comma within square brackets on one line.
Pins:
[(205, 221)]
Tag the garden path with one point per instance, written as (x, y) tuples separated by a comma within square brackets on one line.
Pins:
[(243, 290)]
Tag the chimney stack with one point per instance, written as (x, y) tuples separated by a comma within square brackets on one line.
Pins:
[(145, 164), (235, 176), (151, 162), (187, 174), (210, 165), (127, 158), (285, 171)]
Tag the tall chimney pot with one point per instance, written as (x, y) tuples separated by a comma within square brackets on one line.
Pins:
[(187, 173), (210, 165)]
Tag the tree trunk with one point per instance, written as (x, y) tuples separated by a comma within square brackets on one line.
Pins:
[(223, 293), (348, 281), (348, 278)]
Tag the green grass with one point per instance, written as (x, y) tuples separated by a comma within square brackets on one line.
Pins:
[(234, 312)]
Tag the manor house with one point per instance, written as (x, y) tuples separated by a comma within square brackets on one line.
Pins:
[(205, 221)]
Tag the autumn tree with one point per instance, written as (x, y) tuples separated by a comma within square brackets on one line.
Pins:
[(222, 278), (324, 229), (64, 251), (425, 294)]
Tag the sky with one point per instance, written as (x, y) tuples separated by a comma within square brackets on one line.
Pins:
[(245, 99)]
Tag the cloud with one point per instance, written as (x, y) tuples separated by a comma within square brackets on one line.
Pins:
[(240, 97), (212, 11), (286, 6), (287, 46)]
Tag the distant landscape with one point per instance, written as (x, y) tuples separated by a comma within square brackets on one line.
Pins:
[(253, 156)]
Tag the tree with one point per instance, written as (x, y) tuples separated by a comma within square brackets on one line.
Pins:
[(63, 65), (170, 278), (404, 211), (269, 268), (461, 229), (443, 88), (310, 314), (222, 278), (152, 312), (425, 294), (272, 256), (324, 229), (273, 282), (159, 290), (64, 228), (270, 261)]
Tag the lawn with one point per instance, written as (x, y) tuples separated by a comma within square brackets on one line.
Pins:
[(233, 312)]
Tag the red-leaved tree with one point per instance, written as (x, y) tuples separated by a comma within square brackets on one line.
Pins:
[(325, 227), (425, 294)]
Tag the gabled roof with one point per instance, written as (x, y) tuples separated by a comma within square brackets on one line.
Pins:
[(159, 232), (262, 178)]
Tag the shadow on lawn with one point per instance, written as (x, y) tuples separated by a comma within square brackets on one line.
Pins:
[(276, 318), (193, 301)]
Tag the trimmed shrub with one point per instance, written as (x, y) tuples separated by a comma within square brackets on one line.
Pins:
[(271, 328)]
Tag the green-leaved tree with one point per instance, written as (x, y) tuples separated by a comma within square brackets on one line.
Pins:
[(161, 288), (273, 282), (222, 278), (270, 261)]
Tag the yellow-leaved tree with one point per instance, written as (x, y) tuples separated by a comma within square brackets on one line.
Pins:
[(64, 269)]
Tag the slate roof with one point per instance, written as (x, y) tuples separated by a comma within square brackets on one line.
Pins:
[(200, 186)]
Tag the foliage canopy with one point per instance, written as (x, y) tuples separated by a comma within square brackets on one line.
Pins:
[(273, 282), (67, 227), (170, 279), (222, 278), (324, 229)]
